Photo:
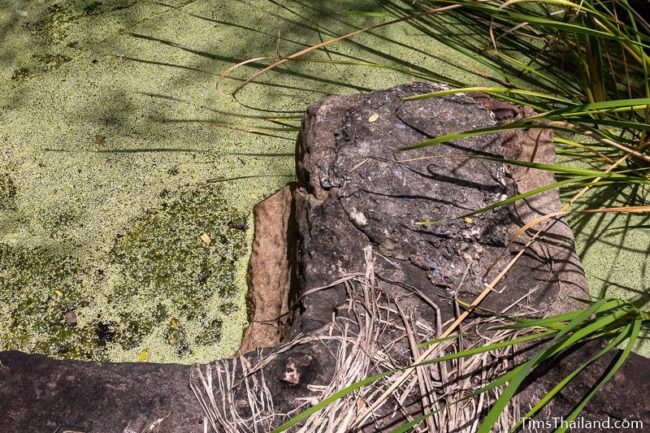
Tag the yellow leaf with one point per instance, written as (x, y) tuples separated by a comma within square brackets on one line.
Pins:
[(59, 293), (373, 118), (206, 239), (144, 355), (469, 220), (174, 322)]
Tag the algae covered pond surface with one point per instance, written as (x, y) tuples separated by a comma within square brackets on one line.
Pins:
[(127, 174)]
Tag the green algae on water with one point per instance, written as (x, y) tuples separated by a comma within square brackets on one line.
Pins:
[(7, 192), (164, 280), (172, 273), (37, 289)]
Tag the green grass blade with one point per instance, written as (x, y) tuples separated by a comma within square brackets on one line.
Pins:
[(459, 135), (574, 28), (634, 334), (564, 382), (557, 344), (329, 400), (522, 196), (556, 168), (543, 322), (439, 340), (561, 318), (596, 108), (490, 90)]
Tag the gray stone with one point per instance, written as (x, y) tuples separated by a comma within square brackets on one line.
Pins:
[(357, 189), (39, 395)]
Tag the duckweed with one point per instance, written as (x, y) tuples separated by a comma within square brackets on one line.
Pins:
[(37, 288), (211, 334), (160, 280), (171, 274), (7, 192)]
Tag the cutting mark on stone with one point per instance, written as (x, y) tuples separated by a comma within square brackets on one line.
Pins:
[(291, 374)]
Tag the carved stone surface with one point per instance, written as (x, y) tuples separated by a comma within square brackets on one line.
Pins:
[(357, 189), (270, 271)]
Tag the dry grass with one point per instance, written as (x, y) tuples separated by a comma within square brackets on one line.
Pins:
[(377, 335)]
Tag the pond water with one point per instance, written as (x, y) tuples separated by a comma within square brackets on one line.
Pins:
[(128, 177)]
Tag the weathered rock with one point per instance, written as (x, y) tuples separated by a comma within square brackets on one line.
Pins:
[(270, 271), (38, 395), (557, 246), (358, 189)]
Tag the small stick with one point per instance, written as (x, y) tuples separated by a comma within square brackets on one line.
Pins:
[(424, 392)]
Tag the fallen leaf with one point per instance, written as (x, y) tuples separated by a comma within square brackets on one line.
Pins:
[(468, 220), (100, 139), (174, 322), (373, 118), (144, 355), (59, 293), (206, 239)]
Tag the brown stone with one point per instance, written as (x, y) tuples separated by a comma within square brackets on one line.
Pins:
[(270, 271)]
